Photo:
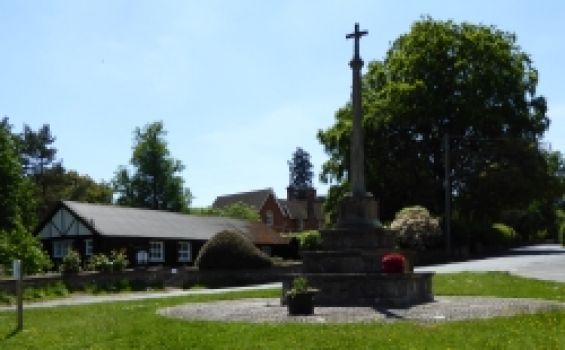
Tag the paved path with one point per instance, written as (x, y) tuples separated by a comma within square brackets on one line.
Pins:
[(543, 261), (92, 299)]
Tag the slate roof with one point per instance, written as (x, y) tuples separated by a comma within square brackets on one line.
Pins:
[(111, 220), (295, 209), (252, 198), (298, 209)]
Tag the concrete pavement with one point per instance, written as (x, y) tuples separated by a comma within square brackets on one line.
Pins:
[(93, 299), (542, 261)]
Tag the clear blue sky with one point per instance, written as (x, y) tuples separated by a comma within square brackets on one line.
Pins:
[(238, 84)]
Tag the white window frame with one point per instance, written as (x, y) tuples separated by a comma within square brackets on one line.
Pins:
[(184, 251), (267, 250), (269, 218), (62, 247), (156, 251), (88, 247)]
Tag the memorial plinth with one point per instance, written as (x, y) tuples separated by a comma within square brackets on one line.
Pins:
[(347, 270)]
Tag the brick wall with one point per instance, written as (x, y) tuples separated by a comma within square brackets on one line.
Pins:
[(161, 277)]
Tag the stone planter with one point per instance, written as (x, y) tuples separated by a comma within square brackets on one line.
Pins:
[(300, 303)]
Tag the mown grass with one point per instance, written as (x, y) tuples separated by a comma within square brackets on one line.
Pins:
[(135, 325)]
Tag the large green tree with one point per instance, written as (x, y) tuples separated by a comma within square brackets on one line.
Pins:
[(52, 180), (155, 182), (17, 208), (472, 83)]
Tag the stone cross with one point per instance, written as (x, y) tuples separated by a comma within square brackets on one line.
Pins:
[(357, 166)]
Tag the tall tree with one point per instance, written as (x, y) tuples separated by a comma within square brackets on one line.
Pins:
[(154, 183), (17, 210), (13, 185), (469, 84), (52, 180), (300, 168)]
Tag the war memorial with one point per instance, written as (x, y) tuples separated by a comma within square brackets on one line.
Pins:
[(347, 270)]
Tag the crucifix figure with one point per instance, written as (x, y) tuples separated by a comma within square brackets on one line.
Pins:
[(357, 166)]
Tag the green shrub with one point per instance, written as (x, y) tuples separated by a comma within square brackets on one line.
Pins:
[(561, 225), (21, 244), (299, 285), (99, 262), (119, 260), (231, 250), (310, 240), (501, 235), (71, 262), (416, 228)]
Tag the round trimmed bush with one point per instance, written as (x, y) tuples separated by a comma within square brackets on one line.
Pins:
[(416, 228), (500, 235), (231, 250)]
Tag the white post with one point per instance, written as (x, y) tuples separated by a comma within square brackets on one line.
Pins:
[(18, 276)]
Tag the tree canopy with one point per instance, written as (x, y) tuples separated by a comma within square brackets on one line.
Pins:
[(52, 181), (17, 208), (470, 82), (155, 182), (300, 168), (15, 191)]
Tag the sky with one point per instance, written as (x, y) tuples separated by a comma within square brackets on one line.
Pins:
[(239, 85)]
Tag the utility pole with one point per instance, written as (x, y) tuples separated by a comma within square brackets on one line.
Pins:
[(447, 192)]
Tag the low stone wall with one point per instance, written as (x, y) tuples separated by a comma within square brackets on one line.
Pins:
[(157, 277)]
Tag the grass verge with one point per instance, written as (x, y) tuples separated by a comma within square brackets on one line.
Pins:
[(135, 325)]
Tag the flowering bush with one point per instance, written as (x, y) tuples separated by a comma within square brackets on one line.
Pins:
[(117, 261), (416, 228), (71, 262), (393, 263), (99, 262)]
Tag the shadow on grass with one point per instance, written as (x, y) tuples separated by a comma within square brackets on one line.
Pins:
[(12, 333), (388, 313)]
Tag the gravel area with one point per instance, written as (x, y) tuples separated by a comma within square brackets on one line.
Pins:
[(441, 310)]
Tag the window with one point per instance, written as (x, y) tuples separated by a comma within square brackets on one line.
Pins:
[(141, 257), (185, 252), (267, 250), (269, 218), (61, 248), (300, 225), (156, 253), (88, 247)]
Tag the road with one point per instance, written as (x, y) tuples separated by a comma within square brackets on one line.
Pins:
[(542, 261)]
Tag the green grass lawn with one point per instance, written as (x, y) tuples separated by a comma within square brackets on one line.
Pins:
[(135, 325)]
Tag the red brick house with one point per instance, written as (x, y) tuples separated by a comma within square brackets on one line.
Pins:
[(302, 210), (152, 237)]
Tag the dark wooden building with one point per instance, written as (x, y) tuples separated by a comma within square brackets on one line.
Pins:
[(151, 237)]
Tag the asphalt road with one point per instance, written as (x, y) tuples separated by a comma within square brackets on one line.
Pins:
[(543, 261)]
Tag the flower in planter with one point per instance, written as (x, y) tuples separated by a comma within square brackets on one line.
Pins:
[(300, 297), (394, 263)]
